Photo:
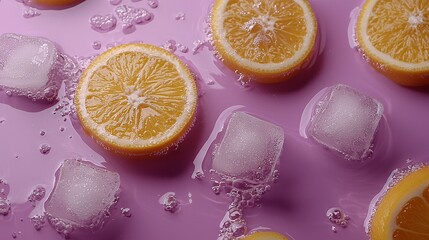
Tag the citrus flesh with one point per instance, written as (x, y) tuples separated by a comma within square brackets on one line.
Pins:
[(265, 236), (403, 212), (136, 99), (394, 36), (268, 40)]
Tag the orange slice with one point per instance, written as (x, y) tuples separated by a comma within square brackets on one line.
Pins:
[(267, 40), (403, 212), (136, 99), (265, 236), (394, 36), (55, 3)]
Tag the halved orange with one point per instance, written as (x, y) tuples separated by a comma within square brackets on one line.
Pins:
[(403, 212), (136, 99), (265, 235), (266, 40), (394, 36)]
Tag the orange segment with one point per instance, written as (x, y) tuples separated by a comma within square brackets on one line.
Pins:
[(403, 212), (265, 236), (268, 40), (394, 35), (136, 99)]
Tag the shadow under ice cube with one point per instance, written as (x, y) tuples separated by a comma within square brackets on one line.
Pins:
[(346, 121), (250, 148), (82, 196)]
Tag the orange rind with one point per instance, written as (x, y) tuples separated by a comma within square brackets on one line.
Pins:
[(136, 99), (269, 41)]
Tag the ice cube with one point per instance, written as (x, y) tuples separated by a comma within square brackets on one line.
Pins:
[(82, 196), (346, 121), (250, 148), (27, 66)]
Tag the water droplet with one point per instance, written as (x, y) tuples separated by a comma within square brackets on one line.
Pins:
[(180, 16), (37, 194), (4, 207), (42, 133), (103, 23), (115, 2), (169, 45), (45, 149), (62, 129), (2, 120), (338, 217), (182, 48), (96, 45), (38, 221), (30, 13), (334, 229), (153, 3), (169, 202), (14, 235), (126, 212)]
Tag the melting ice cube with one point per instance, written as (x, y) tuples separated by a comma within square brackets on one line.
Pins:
[(250, 148), (346, 120), (82, 196), (28, 65)]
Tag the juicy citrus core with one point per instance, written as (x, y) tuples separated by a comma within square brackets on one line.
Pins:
[(269, 40), (136, 99), (403, 212), (394, 35), (265, 236)]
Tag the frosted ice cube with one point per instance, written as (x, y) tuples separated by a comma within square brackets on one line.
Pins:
[(82, 196), (346, 120), (250, 148), (28, 65)]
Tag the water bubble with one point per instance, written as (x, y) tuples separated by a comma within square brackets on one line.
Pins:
[(126, 212), (182, 48), (60, 226), (2, 120), (198, 46), (96, 45), (38, 222), (169, 202), (180, 16), (103, 23), (334, 229), (14, 235), (153, 3), (30, 13), (37, 194), (62, 129), (169, 45), (115, 2), (338, 217), (4, 207), (45, 149), (130, 16)]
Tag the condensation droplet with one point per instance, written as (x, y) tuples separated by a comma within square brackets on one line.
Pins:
[(38, 222), (37, 194), (96, 45), (103, 23), (338, 217), (45, 149), (4, 207), (126, 212), (30, 13), (180, 16), (153, 3), (115, 2)]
